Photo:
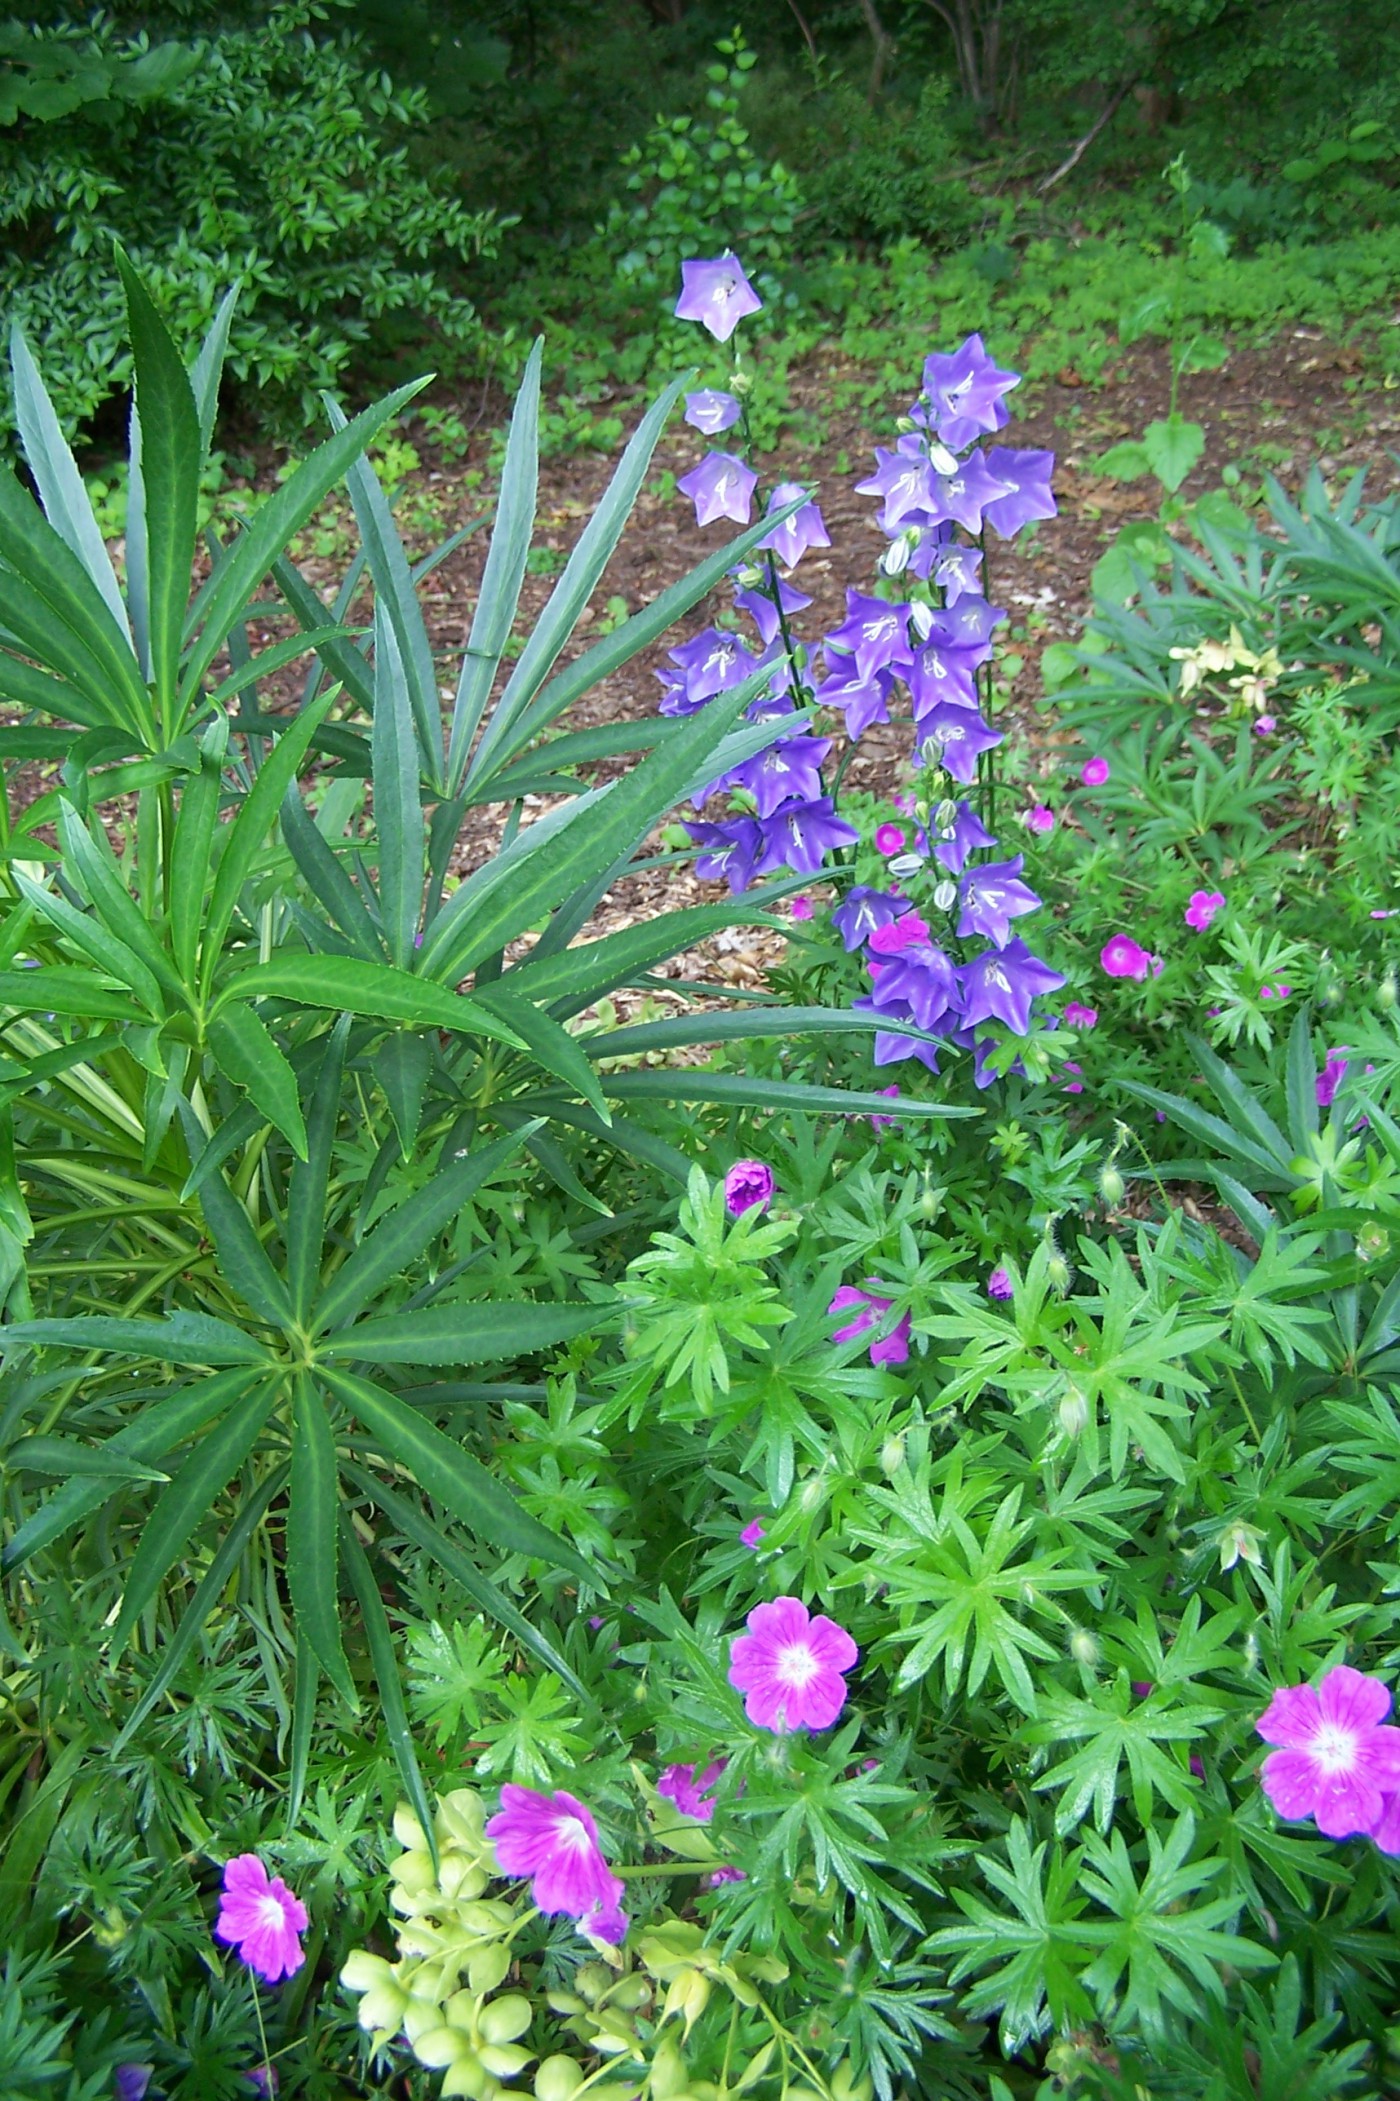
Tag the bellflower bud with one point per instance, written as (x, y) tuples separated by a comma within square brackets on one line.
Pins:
[(1387, 991), (921, 618), (940, 459), (891, 1455), (905, 866), (946, 814), (1111, 1185), (740, 383), (945, 896), (895, 559)]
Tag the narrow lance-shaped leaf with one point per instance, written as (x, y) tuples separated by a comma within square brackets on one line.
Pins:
[(245, 1053), (310, 1178), (170, 456), (313, 1528), (388, 1688), (62, 490), (472, 1333), (504, 572), (185, 1503), (443, 1470), (398, 810)]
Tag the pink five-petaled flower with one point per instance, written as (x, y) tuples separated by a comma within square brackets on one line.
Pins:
[(789, 1667), (753, 1533), (554, 1840), (748, 1183), (717, 294), (801, 908), (889, 839), (1122, 957), (1040, 819), (1265, 726), (1079, 1017), (1336, 1762), (1094, 773), (261, 1918), (688, 1787), (1203, 907), (886, 1349), (1001, 1284)]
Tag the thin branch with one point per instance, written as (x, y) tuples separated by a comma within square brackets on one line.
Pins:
[(1082, 146), (883, 43), (811, 41)]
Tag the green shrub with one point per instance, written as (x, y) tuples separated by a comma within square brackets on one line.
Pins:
[(271, 153)]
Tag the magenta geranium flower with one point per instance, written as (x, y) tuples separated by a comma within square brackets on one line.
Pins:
[(688, 1787), (748, 1183), (554, 1840), (1081, 1017), (1337, 1760), (1331, 1076), (1203, 907), (1122, 957), (1094, 773), (259, 1916), (717, 294), (1040, 819), (790, 1667), (1265, 726), (801, 908), (753, 1533), (889, 839), (1000, 1284), (869, 1311)]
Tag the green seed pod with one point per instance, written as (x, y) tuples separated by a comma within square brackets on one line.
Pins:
[(669, 2076), (1112, 1187), (631, 1993), (1058, 1272), (891, 1455), (1074, 1412), (1387, 991)]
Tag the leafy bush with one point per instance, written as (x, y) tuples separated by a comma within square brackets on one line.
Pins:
[(270, 154)]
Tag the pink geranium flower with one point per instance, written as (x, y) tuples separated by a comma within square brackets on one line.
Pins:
[(1079, 1017), (261, 1918), (1336, 1761), (1000, 1284), (1094, 773), (688, 1787), (1122, 957), (1265, 726), (801, 908), (790, 1667), (889, 839), (554, 1840), (1203, 907), (887, 1349), (1040, 819), (752, 1533)]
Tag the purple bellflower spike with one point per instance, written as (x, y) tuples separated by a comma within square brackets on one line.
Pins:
[(676, 696), (788, 771), (862, 912), (721, 486), (688, 1787), (965, 494), (728, 852), (964, 391), (956, 736), (953, 843), (862, 699), (991, 897), (1001, 984), (791, 1667), (717, 294), (804, 529), (892, 1047), (958, 574), (553, 1839), (711, 411), (764, 610), (713, 662), (921, 980), (1337, 1758), (749, 1184), (259, 1916), (1024, 478), (801, 835), (874, 632), (942, 676), (969, 624), (903, 481)]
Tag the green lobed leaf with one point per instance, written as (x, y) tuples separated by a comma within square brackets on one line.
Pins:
[(245, 1053)]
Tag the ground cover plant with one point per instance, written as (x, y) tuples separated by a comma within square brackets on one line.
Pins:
[(836, 1541)]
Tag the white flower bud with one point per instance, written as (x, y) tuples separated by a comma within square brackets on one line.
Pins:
[(921, 619), (1074, 1411), (940, 459), (906, 866), (891, 1455), (945, 896), (946, 815), (895, 559)]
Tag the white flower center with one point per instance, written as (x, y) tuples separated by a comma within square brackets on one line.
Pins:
[(797, 1666), (1334, 1748), (271, 1914), (573, 1833)]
